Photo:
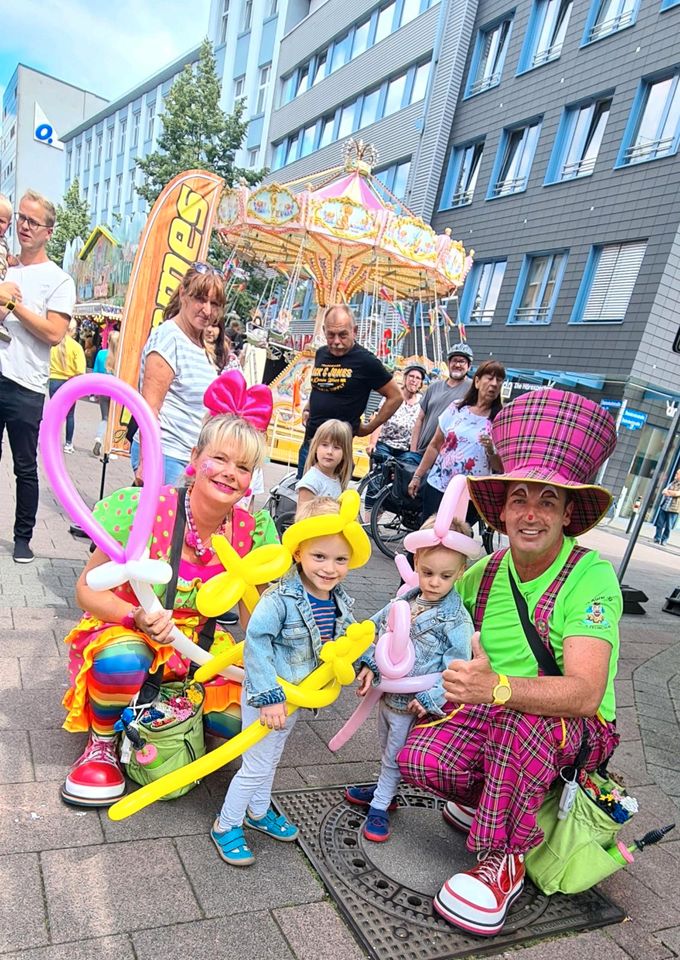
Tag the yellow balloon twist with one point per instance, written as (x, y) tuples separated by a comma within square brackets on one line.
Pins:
[(219, 663), (327, 524), (242, 576), (320, 688)]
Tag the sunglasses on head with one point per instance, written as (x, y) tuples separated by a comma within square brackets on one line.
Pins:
[(202, 268)]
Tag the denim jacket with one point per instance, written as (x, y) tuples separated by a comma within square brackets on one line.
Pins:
[(439, 635), (282, 638)]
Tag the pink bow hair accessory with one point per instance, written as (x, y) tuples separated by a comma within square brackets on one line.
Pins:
[(228, 394), (454, 504)]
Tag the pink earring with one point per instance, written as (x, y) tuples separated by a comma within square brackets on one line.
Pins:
[(190, 470), (246, 493)]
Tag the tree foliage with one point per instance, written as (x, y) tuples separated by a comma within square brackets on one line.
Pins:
[(197, 133), (73, 220)]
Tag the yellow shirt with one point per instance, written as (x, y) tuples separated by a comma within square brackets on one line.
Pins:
[(73, 360)]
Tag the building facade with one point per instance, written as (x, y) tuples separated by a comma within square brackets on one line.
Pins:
[(103, 150), (37, 111), (561, 171)]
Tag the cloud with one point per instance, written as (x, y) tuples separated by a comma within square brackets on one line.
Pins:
[(107, 50)]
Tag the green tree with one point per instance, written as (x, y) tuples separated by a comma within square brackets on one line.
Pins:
[(73, 220), (197, 133)]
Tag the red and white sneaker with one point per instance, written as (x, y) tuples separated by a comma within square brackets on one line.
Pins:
[(458, 815), (478, 901), (96, 779)]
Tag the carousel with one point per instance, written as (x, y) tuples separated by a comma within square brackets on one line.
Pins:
[(341, 237)]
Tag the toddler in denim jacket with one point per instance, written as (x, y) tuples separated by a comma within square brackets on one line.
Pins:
[(441, 631), (286, 631)]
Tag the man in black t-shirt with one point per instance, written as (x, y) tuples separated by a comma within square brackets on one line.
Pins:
[(343, 376)]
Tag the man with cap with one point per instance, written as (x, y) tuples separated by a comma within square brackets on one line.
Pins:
[(440, 395), (513, 725)]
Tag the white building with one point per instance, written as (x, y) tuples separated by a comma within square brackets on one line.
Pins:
[(37, 110)]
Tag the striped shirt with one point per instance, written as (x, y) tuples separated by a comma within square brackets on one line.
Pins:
[(324, 613), (182, 412)]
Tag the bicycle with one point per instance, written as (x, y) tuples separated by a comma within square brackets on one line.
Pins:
[(393, 513)]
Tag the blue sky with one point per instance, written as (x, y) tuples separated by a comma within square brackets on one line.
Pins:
[(105, 48)]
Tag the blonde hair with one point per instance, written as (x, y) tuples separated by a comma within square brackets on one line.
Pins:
[(71, 331), (47, 205), (458, 526), (228, 430), (317, 507), (112, 355), (5, 205), (334, 431)]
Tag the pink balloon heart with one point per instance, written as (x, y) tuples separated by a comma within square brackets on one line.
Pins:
[(56, 410)]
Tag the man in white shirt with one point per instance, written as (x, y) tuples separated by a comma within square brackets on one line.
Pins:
[(36, 303)]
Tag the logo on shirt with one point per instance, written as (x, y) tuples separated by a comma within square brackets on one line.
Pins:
[(330, 379), (595, 615)]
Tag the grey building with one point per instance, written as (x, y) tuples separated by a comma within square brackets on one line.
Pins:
[(561, 171), (37, 110), (102, 151)]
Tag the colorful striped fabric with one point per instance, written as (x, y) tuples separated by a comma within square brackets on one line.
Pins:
[(325, 613)]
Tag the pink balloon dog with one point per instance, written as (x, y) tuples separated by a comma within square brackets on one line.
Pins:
[(395, 656), (130, 562)]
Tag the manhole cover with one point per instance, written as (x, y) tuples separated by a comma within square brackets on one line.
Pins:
[(385, 890)]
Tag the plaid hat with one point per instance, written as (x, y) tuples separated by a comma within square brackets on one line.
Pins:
[(549, 436)]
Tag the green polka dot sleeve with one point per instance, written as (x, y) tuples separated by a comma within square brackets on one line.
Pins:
[(265, 529), (116, 512)]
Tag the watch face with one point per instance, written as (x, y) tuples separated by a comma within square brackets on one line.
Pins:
[(502, 693)]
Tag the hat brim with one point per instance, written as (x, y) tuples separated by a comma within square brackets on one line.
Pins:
[(589, 501)]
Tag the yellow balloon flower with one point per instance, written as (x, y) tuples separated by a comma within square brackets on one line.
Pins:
[(329, 524), (319, 689), (242, 576)]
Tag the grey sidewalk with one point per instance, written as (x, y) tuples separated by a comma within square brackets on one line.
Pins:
[(74, 885)]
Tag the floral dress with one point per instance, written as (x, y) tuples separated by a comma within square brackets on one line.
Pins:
[(462, 451)]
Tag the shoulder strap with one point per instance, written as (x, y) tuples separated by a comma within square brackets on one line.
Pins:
[(544, 657), (544, 607), (490, 571)]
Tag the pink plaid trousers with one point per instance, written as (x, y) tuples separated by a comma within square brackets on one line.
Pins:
[(503, 763)]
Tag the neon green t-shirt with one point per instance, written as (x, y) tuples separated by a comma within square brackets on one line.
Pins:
[(588, 605)]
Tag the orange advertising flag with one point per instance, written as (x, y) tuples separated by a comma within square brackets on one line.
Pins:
[(176, 234)]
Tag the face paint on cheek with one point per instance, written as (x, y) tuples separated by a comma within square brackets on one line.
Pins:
[(210, 468)]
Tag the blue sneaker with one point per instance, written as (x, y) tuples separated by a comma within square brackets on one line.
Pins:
[(231, 846), (363, 796), (377, 826), (278, 827)]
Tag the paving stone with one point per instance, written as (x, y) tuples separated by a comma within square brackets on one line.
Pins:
[(363, 745), (280, 877), (333, 774), (33, 817), (304, 748), (23, 922), (16, 765), (315, 931), (10, 674), (116, 877), (638, 943), (629, 763), (191, 814), (238, 937), (627, 723), (32, 709), (103, 948), (624, 693), (585, 946), (668, 780), (54, 750), (44, 673), (28, 642), (661, 710)]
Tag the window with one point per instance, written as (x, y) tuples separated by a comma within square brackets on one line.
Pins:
[(515, 153), (395, 178), (273, 8), (98, 149), (608, 282), (253, 157), (654, 128), (578, 141), (262, 87), (383, 26), (395, 95), (279, 156), (224, 21), (481, 290), (307, 140), (341, 52), (109, 142), (136, 117), (487, 60), (85, 194), (369, 108), (119, 190), (291, 152), (107, 190), (239, 87), (122, 130), (150, 118), (319, 68), (247, 19), (88, 153), (667, 4), (461, 176), (545, 35), (95, 197), (360, 41), (326, 135), (537, 288), (69, 158), (131, 186), (410, 11), (302, 83), (609, 16), (420, 82), (289, 86), (78, 155), (346, 124)]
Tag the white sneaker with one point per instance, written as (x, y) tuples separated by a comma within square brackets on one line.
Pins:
[(69, 448)]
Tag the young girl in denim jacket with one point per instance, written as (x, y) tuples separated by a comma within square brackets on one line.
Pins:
[(441, 631), (286, 631)]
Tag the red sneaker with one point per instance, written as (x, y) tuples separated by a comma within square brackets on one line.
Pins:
[(96, 779), (478, 901), (458, 815)]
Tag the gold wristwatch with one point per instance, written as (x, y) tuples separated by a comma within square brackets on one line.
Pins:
[(502, 691), (10, 305)]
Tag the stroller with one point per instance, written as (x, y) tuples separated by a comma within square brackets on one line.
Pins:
[(282, 502)]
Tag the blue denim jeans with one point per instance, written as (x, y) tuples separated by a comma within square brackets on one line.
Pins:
[(665, 522), (71, 415), (172, 468)]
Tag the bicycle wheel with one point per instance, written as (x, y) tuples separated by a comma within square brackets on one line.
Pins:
[(387, 528), (368, 490), (491, 539)]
